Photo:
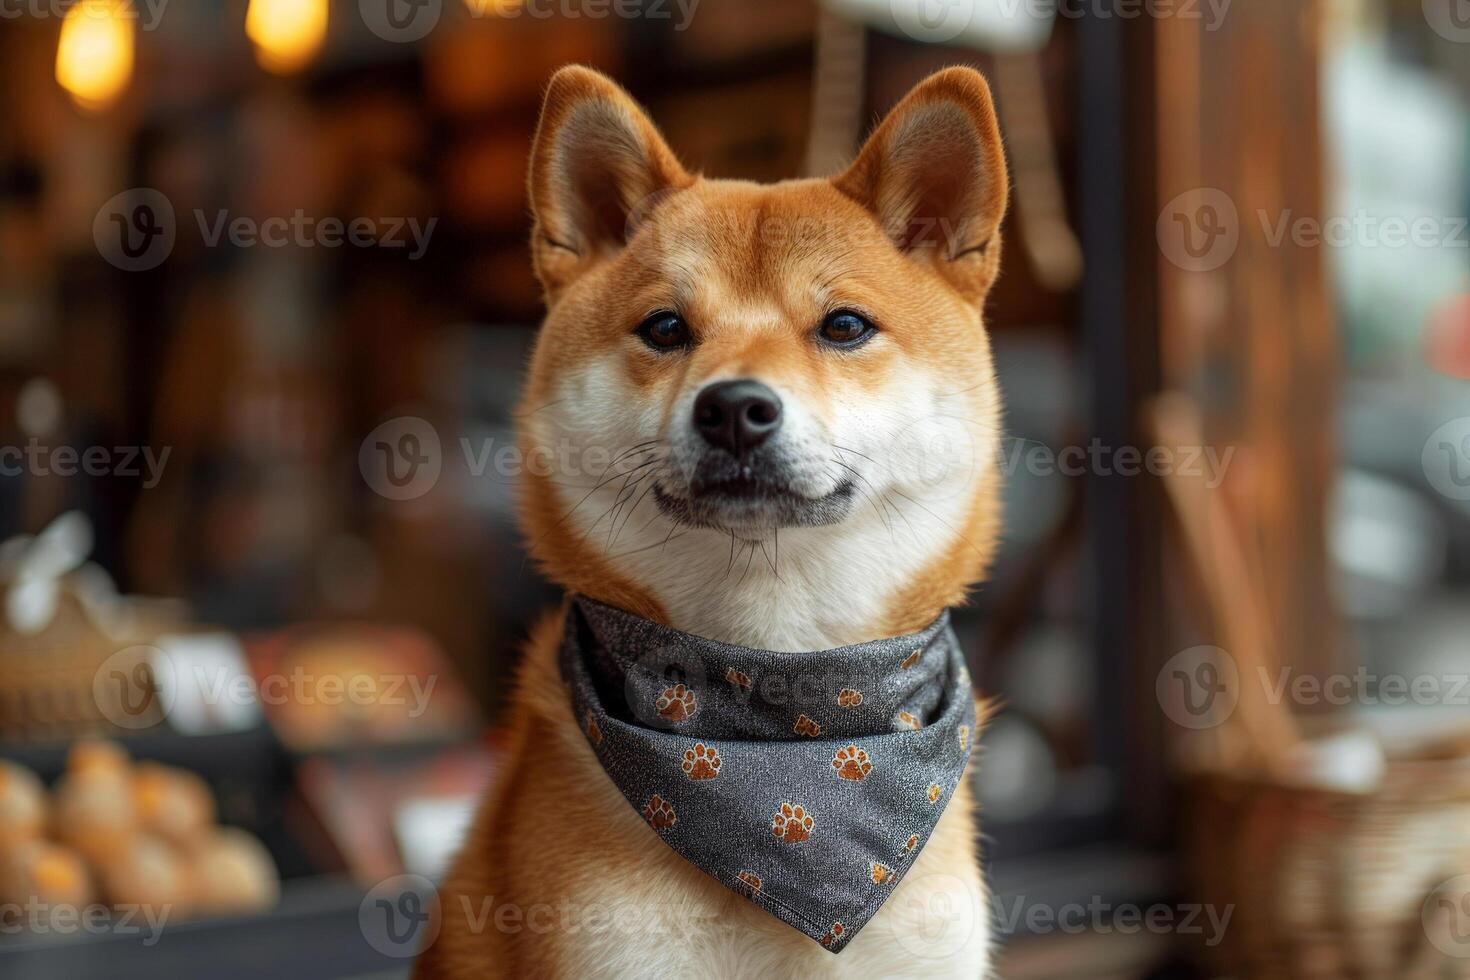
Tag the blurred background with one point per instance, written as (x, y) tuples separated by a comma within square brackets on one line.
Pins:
[(244, 244)]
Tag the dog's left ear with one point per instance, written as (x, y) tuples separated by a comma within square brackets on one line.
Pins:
[(597, 164), (934, 175)]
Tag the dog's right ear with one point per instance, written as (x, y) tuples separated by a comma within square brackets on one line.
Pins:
[(597, 164), (933, 174)]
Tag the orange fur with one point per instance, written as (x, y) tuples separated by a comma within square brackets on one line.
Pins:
[(908, 235)]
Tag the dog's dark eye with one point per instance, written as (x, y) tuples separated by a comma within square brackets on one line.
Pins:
[(845, 328), (664, 331)]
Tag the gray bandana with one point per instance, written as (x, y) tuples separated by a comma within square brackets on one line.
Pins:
[(807, 782)]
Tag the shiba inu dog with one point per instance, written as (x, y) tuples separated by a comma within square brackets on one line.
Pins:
[(765, 415)]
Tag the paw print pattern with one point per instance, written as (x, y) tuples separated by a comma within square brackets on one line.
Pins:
[(833, 934), (701, 762), (677, 703), (904, 718), (738, 680), (805, 726), (750, 882), (881, 874), (935, 792), (792, 824), (594, 731), (911, 843), (911, 659), (659, 813), (964, 734), (852, 763), (849, 698)]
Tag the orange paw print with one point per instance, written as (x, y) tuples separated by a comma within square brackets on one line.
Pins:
[(701, 762), (852, 763), (750, 882), (792, 823), (848, 698), (594, 733), (659, 813), (964, 738), (905, 718), (805, 726), (911, 843), (881, 873), (911, 659), (934, 793), (833, 934), (677, 703), (736, 679)]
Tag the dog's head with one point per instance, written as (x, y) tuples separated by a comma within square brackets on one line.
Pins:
[(765, 413)]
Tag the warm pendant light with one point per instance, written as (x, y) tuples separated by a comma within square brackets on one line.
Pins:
[(94, 59), (287, 33)]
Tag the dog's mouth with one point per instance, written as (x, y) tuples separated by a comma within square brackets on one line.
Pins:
[(751, 503)]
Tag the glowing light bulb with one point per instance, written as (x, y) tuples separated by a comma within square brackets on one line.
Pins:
[(287, 33), (94, 58)]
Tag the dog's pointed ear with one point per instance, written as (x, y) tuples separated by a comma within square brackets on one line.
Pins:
[(934, 175), (596, 164)]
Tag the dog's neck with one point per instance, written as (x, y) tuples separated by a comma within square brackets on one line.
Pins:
[(802, 589)]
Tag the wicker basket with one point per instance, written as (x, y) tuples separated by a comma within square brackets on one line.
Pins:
[(1332, 884), (1323, 879), (52, 689)]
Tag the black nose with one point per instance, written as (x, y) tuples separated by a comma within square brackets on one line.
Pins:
[(737, 415)]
